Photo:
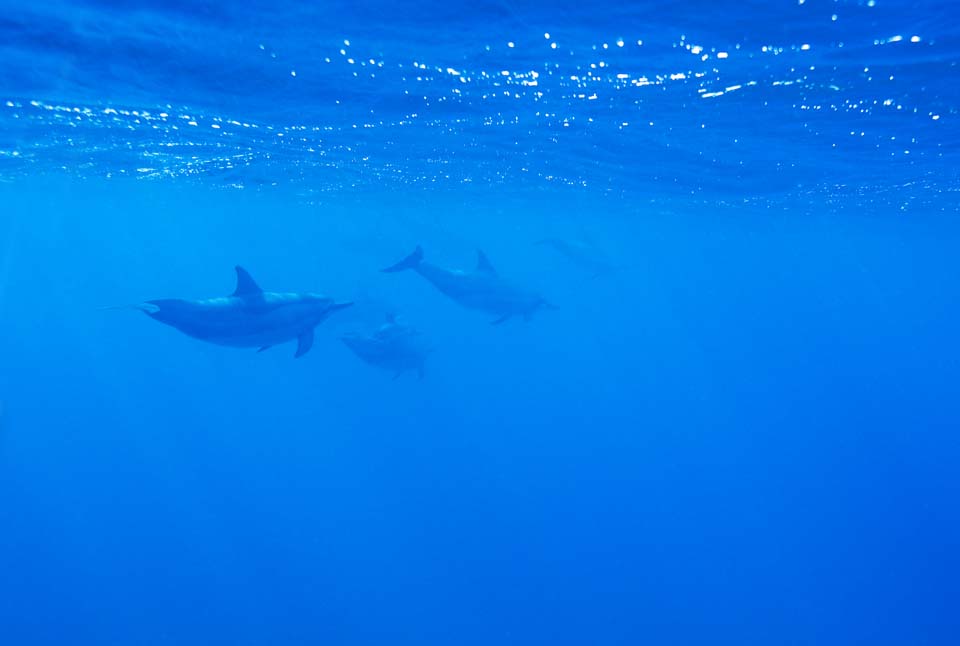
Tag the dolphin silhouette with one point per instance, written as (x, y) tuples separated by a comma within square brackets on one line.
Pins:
[(247, 318), (583, 255), (393, 347), (482, 289)]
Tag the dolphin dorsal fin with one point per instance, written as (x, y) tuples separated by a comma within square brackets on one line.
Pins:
[(246, 285), (483, 263)]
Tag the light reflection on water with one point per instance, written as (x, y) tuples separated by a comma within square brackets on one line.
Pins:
[(653, 106)]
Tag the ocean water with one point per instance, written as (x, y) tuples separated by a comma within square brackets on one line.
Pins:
[(737, 423)]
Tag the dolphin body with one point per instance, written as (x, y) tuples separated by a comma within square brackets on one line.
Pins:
[(482, 289), (396, 347), (583, 255), (247, 318)]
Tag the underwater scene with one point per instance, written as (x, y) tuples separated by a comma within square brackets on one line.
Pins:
[(479, 323)]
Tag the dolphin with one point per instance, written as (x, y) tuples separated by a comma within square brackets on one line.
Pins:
[(393, 346), (247, 318), (482, 289), (581, 254)]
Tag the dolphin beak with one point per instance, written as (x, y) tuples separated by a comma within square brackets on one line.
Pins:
[(146, 308)]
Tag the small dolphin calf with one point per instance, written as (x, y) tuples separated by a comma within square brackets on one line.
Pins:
[(393, 347), (482, 289), (248, 318)]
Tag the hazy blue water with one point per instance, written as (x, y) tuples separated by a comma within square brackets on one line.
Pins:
[(745, 434)]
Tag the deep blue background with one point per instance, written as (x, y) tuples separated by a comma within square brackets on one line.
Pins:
[(746, 434)]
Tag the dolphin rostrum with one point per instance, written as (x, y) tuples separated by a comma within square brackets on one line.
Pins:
[(482, 289), (393, 346), (247, 318)]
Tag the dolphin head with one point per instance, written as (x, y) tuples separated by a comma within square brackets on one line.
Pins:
[(352, 340), (165, 310), (364, 347), (322, 306)]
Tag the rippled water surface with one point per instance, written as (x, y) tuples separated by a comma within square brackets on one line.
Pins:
[(767, 99)]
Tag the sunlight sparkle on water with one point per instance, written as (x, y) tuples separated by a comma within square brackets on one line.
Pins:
[(551, 89)]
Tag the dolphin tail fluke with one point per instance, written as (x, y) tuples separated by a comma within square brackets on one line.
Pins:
[(410, 262)]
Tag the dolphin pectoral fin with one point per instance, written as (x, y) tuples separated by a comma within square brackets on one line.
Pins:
[(266, 347), (398, 375), (502, 319), (304, 343)]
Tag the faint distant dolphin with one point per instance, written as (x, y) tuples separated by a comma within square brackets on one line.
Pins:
[(248, 318), (482, 289), (581, 254), (393, 346)]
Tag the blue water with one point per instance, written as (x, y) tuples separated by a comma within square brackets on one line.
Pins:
[(744, 432)]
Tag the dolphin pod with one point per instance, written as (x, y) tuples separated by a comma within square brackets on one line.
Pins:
[(253, 318)]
